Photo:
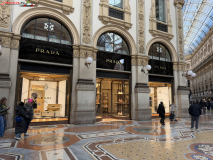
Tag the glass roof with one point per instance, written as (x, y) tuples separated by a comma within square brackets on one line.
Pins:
[(197, 20)]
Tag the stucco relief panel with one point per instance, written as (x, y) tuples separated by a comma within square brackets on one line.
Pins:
[(5, 14)]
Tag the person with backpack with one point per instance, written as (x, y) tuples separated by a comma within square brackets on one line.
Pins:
[(173, 115), (161, 112), (22, 114), (195, 112)]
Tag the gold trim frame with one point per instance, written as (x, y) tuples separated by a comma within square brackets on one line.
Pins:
[(66, 5), (105, 18), (153, 22)]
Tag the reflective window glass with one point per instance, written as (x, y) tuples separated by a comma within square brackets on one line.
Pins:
[(116, 3), (112, 42), (46, 29), (160, 10)]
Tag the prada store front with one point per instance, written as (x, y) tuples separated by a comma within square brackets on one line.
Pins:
[(113, 77), (160, 77), (45, 69)]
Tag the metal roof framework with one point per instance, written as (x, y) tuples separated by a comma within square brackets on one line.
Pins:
[(197, 21)]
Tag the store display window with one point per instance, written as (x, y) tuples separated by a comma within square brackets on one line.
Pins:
[(49, 93), (112, 97)]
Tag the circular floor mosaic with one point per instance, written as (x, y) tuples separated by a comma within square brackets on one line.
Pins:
[(49, 140), (146, 130)]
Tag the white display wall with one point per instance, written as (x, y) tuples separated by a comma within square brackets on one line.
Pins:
[(163, 95)]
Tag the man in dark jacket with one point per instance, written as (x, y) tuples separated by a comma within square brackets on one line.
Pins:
[(161, 112), (20, 127), (195, 112)]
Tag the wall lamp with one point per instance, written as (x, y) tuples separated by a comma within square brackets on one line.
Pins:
[(89, 60), (146, 69), (189, 74)]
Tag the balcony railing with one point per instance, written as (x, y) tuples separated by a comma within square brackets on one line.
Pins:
[(162, 27), (116, 13)]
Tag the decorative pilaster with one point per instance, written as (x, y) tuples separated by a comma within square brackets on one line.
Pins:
[(87, 16), (5, 15), (179, 5), (141, 38)]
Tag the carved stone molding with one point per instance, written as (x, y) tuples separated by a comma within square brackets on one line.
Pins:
[(142, 88), (87, 15), (15, 44), (85, 85), (5, 15), (179, 3), (139, 60), (141, 31), (65, 6), (9, 40), (179, 66), (80, 51), (5, 84), (48, 12), (180, 33), (153, 22), (5, 42), (182, 90), (105, 18)]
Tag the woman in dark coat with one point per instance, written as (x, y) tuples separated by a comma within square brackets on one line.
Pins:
[(161, 112), (20, 127)]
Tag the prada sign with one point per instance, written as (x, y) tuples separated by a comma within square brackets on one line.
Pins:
[(45, 51), (113, 61), (161, 67)]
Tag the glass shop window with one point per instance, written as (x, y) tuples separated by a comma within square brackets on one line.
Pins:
[(160, 10)]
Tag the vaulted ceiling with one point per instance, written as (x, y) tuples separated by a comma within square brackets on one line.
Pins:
[(197, 20)]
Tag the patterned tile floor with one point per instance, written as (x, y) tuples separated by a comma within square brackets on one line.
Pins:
[(113, 139)]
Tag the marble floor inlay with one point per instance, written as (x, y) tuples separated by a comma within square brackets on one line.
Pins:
[(113, 139)]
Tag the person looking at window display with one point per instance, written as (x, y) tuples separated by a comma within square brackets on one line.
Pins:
[(29, 106), (3, 113)]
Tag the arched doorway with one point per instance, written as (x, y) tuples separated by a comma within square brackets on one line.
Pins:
[(160, 77), (45, 68), (113, 76)]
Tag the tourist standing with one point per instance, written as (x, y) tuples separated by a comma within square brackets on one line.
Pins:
[(161, 112), (173, 108), (29, 106), (3, 113), (195, 112), (20, 126)]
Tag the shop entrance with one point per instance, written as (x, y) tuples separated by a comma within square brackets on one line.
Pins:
[(160, 92), (112, 98), (50, 93)]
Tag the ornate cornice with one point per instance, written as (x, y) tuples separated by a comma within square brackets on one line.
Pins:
[(139, 60), (179, 3), (80, 51), (66, 8), (10, 40)]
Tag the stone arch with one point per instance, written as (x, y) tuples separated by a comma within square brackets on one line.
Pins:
[(25, 16), (119, 30), (165, 42)]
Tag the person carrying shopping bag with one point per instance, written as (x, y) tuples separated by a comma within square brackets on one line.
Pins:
[(3, 112), (173, 107)]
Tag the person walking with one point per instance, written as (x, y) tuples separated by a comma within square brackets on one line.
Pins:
[(20, 127), (161, 112), (173, 107), (195, 112), (208, 105), (29, 106), (3, 112)]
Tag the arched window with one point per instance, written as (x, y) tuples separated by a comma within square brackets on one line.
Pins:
[(112, 42), (160, 10), (159, 52), (46, 29)]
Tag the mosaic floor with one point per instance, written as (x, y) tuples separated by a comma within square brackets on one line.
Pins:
[(113, 139)]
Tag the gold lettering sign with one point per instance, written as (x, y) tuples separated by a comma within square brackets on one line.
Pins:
[(160, 67), (47, 51), (113, 61)]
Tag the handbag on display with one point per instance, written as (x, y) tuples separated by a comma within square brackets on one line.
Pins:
[(18, 119)]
